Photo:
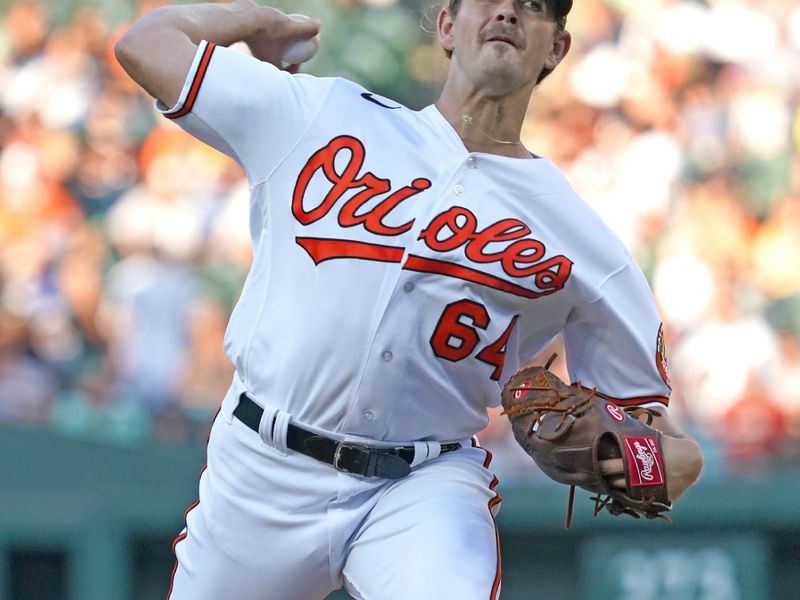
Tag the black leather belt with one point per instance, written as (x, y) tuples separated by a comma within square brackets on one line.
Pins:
[(347, 457)]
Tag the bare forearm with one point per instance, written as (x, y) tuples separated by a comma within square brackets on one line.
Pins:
[(223, 24), (158, 50)]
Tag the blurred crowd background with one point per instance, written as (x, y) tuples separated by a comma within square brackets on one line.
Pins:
[(123, 242)]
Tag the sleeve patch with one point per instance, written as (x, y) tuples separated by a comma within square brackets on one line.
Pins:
[(661, 357)]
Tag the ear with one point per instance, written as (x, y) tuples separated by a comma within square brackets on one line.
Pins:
[(561, 46), (444, 29)]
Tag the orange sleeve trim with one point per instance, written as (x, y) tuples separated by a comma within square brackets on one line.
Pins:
[(199, 75), (635, 401)]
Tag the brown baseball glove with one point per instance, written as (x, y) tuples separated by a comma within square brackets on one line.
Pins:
[(578, 438)]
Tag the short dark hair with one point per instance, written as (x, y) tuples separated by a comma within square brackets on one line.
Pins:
[(561, 26)]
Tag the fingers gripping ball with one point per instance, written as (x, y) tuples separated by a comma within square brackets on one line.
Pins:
[(573, 435), (300, 51)]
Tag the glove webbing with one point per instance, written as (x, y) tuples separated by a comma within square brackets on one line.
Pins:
[(525, 408), (541, 409)]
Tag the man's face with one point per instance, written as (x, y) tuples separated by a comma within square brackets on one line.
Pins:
[(502, 45)]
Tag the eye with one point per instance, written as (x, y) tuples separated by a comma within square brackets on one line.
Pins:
[(532, 5)]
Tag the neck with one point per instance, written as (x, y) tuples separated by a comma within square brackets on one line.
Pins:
[(490, 124)]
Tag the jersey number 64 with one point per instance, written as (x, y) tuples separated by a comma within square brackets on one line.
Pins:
[(456, 337)]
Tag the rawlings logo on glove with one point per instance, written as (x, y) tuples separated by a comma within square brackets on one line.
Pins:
[(644, 461)]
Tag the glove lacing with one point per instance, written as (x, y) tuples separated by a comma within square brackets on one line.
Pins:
[(541, 408)]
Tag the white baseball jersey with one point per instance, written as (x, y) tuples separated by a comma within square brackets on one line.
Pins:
[(398, 279)]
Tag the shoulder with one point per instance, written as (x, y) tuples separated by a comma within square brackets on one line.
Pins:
[(575, 219)]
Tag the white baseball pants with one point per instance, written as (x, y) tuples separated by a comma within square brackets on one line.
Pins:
[(283, 526)]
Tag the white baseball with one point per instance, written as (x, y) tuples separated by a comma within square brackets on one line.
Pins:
[(302, 50)]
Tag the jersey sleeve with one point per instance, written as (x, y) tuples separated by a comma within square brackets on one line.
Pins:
[(246, 108), (615, 343)]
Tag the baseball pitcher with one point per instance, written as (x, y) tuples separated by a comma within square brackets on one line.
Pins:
[(405, 265)]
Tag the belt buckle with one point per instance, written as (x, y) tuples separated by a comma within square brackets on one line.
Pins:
[(337, 454)]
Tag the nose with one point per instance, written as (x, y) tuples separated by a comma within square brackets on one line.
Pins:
[(506, 12)]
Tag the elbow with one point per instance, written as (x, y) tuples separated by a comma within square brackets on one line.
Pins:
[(125, 52), (157, 55), (135, 45), (122, 52)]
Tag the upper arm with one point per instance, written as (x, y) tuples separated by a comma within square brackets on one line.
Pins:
[(616, 342), (157, 58), (246, 108)]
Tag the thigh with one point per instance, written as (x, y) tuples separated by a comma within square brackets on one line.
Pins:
[(259, 530), (431, 535)]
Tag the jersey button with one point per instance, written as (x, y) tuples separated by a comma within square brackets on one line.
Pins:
[(408, 287), (387, 356), (367, 415), (471, 163), (459, 190)]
